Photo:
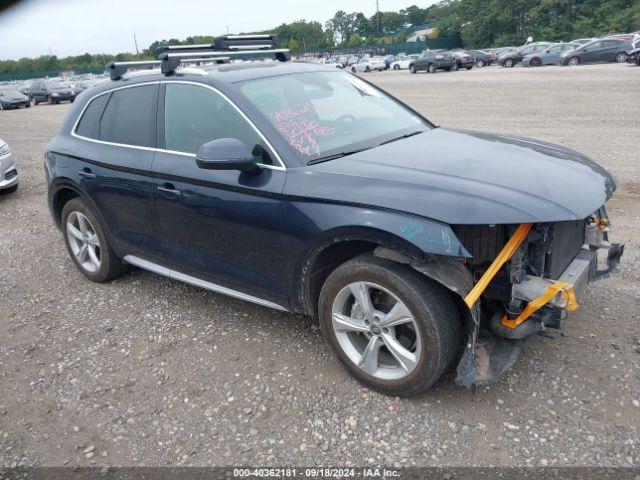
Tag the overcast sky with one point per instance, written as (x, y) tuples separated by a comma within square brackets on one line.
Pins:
[(72, 27)]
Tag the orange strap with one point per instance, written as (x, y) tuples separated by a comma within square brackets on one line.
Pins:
[(505, 254), (568, 295)]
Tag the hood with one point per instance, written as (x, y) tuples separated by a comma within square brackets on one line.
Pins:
[(460, 177)]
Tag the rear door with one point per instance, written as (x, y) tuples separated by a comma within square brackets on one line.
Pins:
[(116, 140), (220, 226)]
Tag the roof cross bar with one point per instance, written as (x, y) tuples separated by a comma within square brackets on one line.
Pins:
[(171, 60)]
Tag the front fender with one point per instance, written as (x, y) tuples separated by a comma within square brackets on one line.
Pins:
[(311, 227)]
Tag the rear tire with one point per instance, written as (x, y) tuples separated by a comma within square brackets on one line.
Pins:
[(431, 68), (396, 67), (109, 266), (408, 356), (535, 62), (412, 68), (509, 63), (480, 63), (621, 57)]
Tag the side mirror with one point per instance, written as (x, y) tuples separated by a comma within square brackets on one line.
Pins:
[(227, 154)]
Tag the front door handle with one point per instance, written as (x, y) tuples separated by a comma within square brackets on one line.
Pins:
[(86, 173), (170, 189)]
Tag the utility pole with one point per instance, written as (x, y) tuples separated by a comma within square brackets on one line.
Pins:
[(135, 41), (378, 16)]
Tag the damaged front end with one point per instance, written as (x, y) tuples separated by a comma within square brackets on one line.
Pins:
[(526, 279)]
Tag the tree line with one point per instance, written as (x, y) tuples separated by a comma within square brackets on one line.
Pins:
[(477, 23)]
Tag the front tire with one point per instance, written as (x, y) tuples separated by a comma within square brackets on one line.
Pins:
[(396, 67), (574, 61), (87, 243), (393, 329), (509, 63), (621, 57), (412, 68), (431, 68)]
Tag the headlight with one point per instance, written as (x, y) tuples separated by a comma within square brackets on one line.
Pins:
[(4, 149)]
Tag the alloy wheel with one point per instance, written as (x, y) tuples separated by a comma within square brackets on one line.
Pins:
[(84, 242), (376, 330), (621, 57)]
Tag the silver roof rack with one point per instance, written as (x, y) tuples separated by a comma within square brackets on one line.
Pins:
[(171, 56)]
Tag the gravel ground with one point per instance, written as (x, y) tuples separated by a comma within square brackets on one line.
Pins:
[(148, 371)]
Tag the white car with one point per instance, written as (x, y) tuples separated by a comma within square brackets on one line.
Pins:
[(404, 62), (368, 64), (8, 171), (329, 63)]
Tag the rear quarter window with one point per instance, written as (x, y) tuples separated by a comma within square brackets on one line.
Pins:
[(89, 125)]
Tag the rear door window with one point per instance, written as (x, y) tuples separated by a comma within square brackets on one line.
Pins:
[(130, 116)]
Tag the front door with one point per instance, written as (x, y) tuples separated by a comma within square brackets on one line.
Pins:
[(220, 226)]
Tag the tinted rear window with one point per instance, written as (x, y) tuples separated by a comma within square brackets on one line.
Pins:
[(130, 117), (89, 123)]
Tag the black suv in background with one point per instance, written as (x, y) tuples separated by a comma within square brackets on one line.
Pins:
[(303, 188), (431, 60), (51, 91)]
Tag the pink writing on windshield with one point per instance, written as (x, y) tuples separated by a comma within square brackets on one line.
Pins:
[(301, 131)]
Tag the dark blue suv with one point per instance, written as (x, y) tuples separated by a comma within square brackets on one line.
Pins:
[(306, 189)]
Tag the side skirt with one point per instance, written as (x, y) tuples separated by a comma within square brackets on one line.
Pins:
[(154, 267)]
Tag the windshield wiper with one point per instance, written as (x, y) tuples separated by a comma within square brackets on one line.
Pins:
[(406, 135), (336, 155)]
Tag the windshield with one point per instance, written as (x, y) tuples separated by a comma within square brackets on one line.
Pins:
[(321, 114), (10, 92)]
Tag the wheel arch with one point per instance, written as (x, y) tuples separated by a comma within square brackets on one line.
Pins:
[(340, 244), (61, 191)]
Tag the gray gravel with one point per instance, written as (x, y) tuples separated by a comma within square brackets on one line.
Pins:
[(148, 371)]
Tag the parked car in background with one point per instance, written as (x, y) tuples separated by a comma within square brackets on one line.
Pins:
[(51, 91), (482, 58), (404, 62), (432, 60), (388, 59), (548, 56), (369, 63), (8, 171), (513, 58), (633, 55), (604, 50), (12, 98), (498, 53), (463, 60)]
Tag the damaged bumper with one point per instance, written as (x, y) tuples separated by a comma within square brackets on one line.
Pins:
[(537, 302)]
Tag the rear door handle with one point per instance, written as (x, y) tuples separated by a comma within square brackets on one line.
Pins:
[(170, 189), (86, 173)]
